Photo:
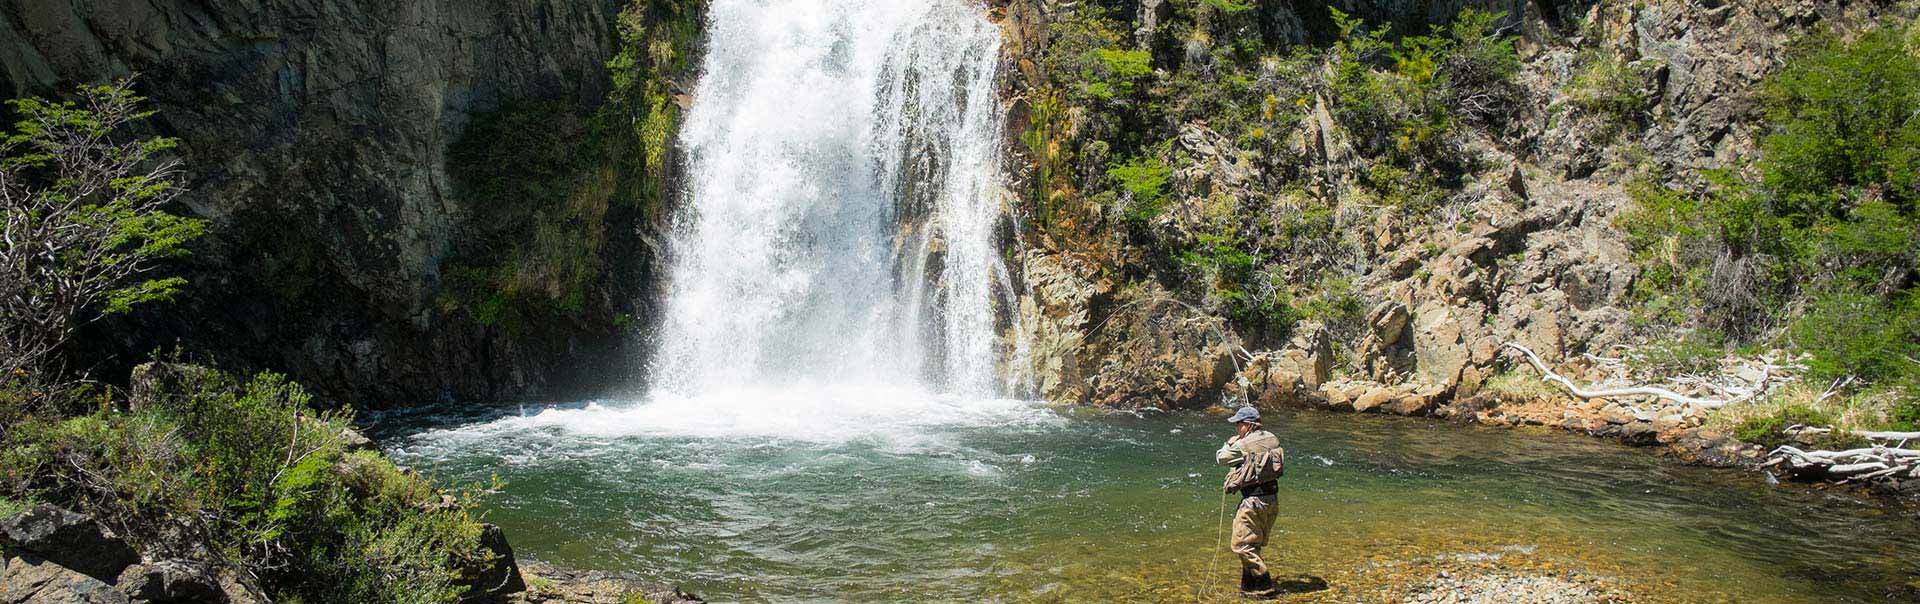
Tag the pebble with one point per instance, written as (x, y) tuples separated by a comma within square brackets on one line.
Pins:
[(1503, 587)]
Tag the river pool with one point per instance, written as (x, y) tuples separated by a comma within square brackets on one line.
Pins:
[(998, 500)]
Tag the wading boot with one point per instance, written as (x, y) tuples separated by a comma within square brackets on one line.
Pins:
[(1258, 586)]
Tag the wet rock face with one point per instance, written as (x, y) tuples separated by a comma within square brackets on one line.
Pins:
[(316, 135)]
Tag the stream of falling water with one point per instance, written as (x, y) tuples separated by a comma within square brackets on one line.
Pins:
[(842, 206)]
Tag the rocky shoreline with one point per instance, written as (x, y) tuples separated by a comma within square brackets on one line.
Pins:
[(48, 554), (1299, 376), (549, 584)]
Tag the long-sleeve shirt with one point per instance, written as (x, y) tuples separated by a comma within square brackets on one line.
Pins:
[(1234, 452)]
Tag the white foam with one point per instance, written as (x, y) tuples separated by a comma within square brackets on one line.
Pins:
[(897, 419)]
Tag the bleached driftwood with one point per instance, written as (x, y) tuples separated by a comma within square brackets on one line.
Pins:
[(1885, 436), (1851, 465), (1549, 375)]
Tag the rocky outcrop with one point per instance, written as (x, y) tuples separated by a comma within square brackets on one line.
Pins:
[(29, 579), (318, 136), (1524, 249), (556, 585), (1139, 347), (171, 581), (49, 555), (70, 540)]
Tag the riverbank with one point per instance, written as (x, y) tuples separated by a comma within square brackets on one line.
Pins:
[(1681, 432), (550, 584)]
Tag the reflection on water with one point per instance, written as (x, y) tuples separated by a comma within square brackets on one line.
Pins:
[(1001, 500)]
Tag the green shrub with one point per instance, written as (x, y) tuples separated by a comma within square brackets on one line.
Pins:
[(1859, 335), (9, 507), (1230, 6), (1905, 414), (1145, 179), (1115, 72), (1843, 128), (1770, 430), (267, 481), (1608, 87)]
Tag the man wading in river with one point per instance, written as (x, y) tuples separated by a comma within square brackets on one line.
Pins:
[(1256, 460)]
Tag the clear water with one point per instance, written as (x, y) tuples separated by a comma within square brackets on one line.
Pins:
[(983, 500)]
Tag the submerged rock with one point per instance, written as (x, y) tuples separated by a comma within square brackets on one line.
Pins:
[(554, 585)]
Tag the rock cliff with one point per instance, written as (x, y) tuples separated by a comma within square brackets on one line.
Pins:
[(380, 181), (1277, 248)]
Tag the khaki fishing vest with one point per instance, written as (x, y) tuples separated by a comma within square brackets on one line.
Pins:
[(1262, 460)]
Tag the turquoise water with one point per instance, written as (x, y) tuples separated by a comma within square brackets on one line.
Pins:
[(1012, 502)]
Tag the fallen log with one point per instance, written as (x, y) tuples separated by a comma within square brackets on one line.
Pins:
[(1550, 376), (1851, 465)]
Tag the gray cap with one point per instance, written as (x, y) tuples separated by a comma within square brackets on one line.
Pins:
[(1245, 414)]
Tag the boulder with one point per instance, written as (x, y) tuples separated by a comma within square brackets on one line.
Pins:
[(1292, 375), (29, 579), (1373, 399), (1639, 434), (1439, 348), (170, 582), (500, 574), (74, 541)]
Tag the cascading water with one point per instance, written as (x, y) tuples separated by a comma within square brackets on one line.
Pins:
[(843, 202)]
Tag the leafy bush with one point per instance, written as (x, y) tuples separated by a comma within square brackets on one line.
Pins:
[(1401, 97), (1826, 241), (1770, 430), (1843, 129), (270, 486), (1609, 87), (1854, 334), (87, 220), (1905, 414), (1145, 179)]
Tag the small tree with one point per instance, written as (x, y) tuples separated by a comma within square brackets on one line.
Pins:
[(84, 224)]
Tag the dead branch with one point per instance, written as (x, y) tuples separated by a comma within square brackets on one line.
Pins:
[(1577, 391), (1852, 465)]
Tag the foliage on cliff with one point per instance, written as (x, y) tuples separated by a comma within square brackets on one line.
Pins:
[(1189, 148), (240, 475), (1814, 246), (85, 220), (551, 174)]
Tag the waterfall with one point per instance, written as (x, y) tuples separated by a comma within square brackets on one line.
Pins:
[(843, 202)]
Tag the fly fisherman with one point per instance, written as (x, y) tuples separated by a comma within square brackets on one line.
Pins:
[(1256, 460)]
